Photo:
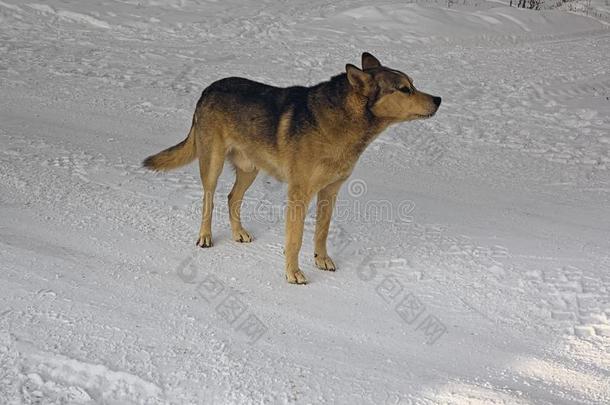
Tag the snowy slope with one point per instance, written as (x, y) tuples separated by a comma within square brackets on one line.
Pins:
[(483, 278)]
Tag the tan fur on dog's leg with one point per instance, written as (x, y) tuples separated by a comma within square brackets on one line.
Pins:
[(211, 161), (243, 180), (298, 201), (326, 203)]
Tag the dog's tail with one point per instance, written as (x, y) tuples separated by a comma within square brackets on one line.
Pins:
[(178, 155)]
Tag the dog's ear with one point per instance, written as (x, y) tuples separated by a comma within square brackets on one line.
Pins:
[(359, 80), (369, 61)]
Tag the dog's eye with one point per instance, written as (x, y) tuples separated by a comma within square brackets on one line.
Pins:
[(406, 90)]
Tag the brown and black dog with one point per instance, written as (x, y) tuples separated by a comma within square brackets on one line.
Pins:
[(309, 137)]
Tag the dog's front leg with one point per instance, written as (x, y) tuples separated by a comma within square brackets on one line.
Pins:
[(326, 203), (298, 201)]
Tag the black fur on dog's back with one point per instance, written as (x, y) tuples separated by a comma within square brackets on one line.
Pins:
[(263, 105)]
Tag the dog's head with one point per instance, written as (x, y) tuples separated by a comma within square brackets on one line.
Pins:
[(391, 93)]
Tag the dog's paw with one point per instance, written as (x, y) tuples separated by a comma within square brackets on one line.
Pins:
[(204, 241), (324, 262), (242, 236), (296, 277)]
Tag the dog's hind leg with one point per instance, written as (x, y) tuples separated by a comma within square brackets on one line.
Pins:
[(211, 161), (243, 180), (326, 203)]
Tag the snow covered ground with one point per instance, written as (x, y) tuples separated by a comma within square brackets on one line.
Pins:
[(483, 278)]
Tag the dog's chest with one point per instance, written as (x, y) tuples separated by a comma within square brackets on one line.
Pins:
[(336, 167)]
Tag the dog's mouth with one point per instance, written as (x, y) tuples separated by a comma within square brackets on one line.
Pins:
[(424, 116)]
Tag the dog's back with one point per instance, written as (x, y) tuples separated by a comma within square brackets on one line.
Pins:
[(256, 109)]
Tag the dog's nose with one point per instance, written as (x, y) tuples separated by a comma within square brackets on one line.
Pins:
[(437, 101)]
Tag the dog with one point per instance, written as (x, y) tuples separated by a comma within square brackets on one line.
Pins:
[(308, 137)]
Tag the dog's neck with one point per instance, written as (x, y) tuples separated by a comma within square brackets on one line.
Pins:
[(351, 120)]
